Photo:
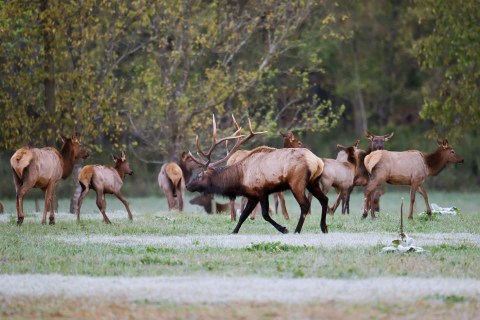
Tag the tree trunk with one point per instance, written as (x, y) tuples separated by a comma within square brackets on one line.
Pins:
[(77, 189), (358, 103), (49, 66)]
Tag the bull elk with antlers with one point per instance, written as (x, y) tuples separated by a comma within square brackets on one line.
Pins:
[(104, 179), (43, 168), (264, 171)]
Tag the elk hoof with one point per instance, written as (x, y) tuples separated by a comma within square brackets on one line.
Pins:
[(364, 216), (51, 222), (324, 228), (19, 221), (284, 230)]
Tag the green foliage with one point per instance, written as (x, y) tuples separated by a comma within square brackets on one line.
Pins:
[(450, 51)]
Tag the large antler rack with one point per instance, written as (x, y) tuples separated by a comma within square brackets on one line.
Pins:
[(236, 135)]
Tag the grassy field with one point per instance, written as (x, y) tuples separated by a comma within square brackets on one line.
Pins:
[(37, 249)]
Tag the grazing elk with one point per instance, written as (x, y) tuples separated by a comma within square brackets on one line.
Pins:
[(43, 168), (406, 168), (340, 174), (104, 179), (362, 175), (205, 201), (172, 177), (264, 171)]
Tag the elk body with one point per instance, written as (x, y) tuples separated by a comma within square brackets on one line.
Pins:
[(340, 174), (407, 168), (362, 175), (277, 196), (264, 171), (172, 177), (43, 168), (104, 179)]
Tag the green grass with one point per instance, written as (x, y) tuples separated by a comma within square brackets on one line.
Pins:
[(32, 248)]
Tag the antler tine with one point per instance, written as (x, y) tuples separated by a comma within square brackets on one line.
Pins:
[(203, 164)]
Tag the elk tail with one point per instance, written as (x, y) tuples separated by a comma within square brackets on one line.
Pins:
[(372, 159), (85, 176), (174, 173), (20, 160)]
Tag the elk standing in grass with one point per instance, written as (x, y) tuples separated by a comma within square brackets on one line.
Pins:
[(43, 168), (362, 175), (340, 174), (172, 178), (407, 168), (264, 171), (104, 179)]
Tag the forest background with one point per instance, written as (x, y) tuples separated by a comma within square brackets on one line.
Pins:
[(145, 77)]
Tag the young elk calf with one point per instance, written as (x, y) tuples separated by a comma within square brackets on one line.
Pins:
[(172, 177), (104, 179), (43, 168), (264, 171), (406, 168), (340, 174)]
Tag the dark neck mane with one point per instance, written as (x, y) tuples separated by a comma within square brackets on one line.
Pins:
[(120, 170), (435, 162), (68, 160)]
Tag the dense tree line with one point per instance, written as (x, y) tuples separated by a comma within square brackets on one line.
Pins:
[(146, 75)]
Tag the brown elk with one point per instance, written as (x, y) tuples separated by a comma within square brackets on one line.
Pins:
[(407, 168), (1, 207), (104, 179), (43, 168), (205, 201), (172, 177), (277, 196), (362, 175), (264, 171), (340, 174)]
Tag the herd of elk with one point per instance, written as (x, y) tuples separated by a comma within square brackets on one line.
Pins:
[(406, 168), (104, 179), (43, 168), (362, 175), (253, 174), (172, 179), (264, 171)]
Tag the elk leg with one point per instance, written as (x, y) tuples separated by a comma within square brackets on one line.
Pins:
[(281, 199), (51, 196), (367, 194), (413, 191), (84, 192), (233, 212), (251, 204), (125, 203), (101, 204), (425, 197), (265, 214), (20, 193), (179, 197), (275, 201), (346, 201), (314, 188), (337, 202)]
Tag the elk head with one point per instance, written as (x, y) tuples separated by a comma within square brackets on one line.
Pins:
[(351, 155), (73, 146), (289, 141), (447, 152), (202, 182), (377, 142), (121, 164)]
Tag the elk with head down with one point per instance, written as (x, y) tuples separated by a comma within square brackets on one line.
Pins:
[(43, 168), (362, 175), (104, 179), (407, 168), (172, 178), (264, 171)]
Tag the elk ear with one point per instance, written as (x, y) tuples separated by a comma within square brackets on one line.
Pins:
[(62, 136), (340, 147), (184, 155), (115, 158), (74, 138), (439, 143), (123, 156), (389, 136), (445, 144), (368, 135), (355, 145)]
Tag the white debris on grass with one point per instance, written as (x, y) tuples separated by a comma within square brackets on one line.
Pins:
[(329, 241), (404, 245), (218, 289), (448, 210)]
